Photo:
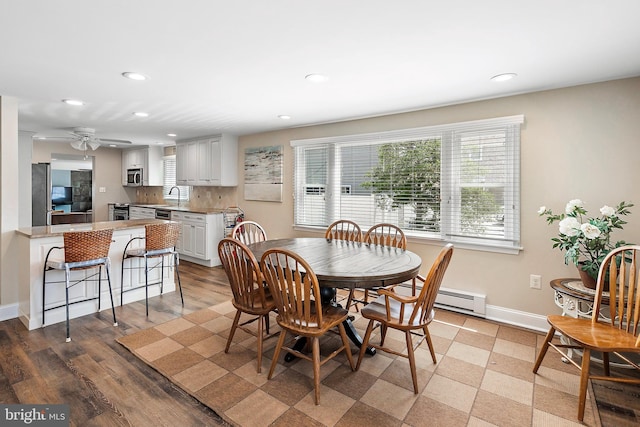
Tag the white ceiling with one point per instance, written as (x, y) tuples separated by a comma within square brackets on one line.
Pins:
[(234, 66)]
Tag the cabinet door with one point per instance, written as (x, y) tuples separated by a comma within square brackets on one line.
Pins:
[(203, 159), (200, 241), (182, 163), (216, 162), (188, 233)]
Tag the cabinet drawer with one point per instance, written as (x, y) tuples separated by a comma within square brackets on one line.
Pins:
[(189, 217)]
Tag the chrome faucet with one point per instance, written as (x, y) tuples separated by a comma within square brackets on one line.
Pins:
[(177, 188)]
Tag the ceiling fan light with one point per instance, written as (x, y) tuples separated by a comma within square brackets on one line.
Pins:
[(93, 144)]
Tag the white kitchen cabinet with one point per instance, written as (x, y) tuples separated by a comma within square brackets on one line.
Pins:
[(149, 159), (210, 161), (186, 168), (199, 237), (138, 212)]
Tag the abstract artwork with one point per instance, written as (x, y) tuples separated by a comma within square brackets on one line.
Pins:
[(263, 173)]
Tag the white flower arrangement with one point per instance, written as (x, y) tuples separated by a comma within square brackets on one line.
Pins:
[(586, 240)]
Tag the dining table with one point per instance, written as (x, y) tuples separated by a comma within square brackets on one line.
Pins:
[(341, 264)]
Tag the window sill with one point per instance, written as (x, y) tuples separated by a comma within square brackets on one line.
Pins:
[(433, 241)]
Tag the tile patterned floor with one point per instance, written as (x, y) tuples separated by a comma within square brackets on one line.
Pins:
[(483, 377)]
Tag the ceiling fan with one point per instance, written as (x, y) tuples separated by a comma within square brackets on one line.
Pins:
[(83, 138)]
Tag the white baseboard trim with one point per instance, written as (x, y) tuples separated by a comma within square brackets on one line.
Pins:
[(9, 311), (522, 319)]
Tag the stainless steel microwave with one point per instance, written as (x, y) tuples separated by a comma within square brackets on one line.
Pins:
[(134, 177)]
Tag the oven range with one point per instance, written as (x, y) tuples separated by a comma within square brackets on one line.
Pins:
[(118, 211)]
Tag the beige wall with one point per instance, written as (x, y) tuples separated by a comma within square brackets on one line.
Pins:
[(581, 142), (107, 168)]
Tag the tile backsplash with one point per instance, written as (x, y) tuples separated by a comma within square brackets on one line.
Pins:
[(201, 197)]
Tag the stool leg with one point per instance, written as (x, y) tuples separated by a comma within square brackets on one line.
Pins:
[(113, 309), (122, 280), (161, 274), (146, 283), (99, 286), (43, 288), (66, 292), (175, 264)]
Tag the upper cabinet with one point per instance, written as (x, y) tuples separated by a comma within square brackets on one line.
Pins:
[(149, 159), (210, 161)]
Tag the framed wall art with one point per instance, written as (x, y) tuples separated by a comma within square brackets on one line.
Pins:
[(263, 173)]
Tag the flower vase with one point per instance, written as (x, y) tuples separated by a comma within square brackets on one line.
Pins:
[(588, 281)]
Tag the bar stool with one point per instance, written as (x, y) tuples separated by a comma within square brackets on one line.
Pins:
[(160, 241), (83, 250)]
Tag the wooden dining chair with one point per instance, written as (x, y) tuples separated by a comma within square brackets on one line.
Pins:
[(296, 292), (383, 234), (614, 324), (344, 229), (249, 295), (408, 314), (249, 232)]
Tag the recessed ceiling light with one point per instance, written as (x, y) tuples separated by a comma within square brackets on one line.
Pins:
[(134, 76), (75, 102), (503, 77), (112, 145), (316, 78), (141, 114), (171, 135), (284, 117)]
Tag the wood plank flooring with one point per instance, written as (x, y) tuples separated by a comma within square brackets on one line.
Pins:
[(104, 384)]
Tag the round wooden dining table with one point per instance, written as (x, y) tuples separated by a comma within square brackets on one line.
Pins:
[(348, 265)]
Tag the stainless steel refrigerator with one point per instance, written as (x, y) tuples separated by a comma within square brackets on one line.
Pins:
[(40, 194)]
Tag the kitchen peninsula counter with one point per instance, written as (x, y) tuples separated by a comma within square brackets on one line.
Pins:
[(35, 242), (59, 230)]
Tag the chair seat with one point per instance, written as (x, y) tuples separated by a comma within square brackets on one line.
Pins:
[(59, 264), (257, 308), (331, 317), (598, 336), (376, 310), (141, 252)]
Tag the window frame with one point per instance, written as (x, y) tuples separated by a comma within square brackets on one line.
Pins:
[(447, 133)]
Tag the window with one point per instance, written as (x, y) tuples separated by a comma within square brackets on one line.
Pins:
[(169, 165), (458, 182)]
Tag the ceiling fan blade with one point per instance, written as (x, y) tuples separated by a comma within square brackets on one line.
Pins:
[(115, 141)]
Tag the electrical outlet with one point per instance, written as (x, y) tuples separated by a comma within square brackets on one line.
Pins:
[(534, 281)]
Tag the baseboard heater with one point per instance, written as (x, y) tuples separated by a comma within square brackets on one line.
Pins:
[(461, 302)]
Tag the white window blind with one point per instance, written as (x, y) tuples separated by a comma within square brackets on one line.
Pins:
[(457, 182), (169, 165)]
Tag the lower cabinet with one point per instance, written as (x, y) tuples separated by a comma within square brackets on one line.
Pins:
[(137, 212), (199, 237)]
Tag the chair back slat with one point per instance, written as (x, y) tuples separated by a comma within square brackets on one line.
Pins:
[(161, 236), (619, 270), (295, 289), (243, 272), (249, 232), (386, 235), (86, 245), (427, 297), (344, 229)]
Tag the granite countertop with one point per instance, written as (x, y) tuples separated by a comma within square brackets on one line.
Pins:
[(58, 230), (201, 210)]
